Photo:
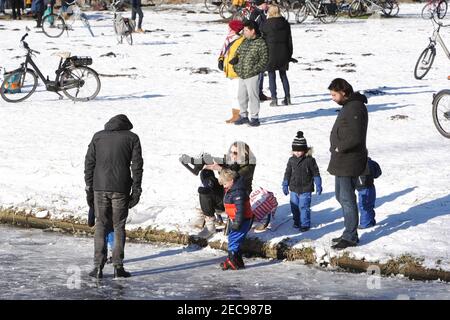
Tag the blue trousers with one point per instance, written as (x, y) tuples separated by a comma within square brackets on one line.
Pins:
[(273, 83), (366, 203), (345, 195), (235, 238), (301, 208)]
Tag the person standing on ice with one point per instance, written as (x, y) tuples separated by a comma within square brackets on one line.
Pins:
[(232, 41), (109, 180), (250, 60), (237, 207), (348, 155), (239, 159), (367, 195), (300, 176), (136, 8)]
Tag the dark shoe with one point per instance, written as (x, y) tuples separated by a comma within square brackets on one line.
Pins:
[(241, 120), (366, 227), (296, 226), (263, 97), (274, 103), (254, 123), (287, 101), (119, 272), (96, 273), (240, 261), (344, 244), (304, 229), (336, 240)]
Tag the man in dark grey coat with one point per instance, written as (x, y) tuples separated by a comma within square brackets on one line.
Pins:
[(111, 154), (348, 155)]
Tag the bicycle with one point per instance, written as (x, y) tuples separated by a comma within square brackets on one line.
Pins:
[(212, 5), (441, 112), (325, 10), (54, 25), (426, 58), (123, 27), (435, 8), (361, 7), (77, 81)]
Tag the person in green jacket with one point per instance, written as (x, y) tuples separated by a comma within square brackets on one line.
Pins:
[(250, 60)]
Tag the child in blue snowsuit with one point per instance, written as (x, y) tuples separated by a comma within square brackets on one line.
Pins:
[(367, 195), (109, 235), (301, 174), (240, 216)]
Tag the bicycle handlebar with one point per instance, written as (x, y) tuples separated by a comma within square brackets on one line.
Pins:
[(26, 46)]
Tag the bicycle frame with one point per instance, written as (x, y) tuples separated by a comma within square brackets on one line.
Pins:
[(312, 8), (436, 37)]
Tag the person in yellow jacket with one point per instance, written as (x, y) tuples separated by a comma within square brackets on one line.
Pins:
[(232, 42)]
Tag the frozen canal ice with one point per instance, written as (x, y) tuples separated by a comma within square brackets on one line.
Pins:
[(46, 265)]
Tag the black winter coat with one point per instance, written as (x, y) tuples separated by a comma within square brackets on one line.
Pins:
[(110, 154), (277, 33), (348, 139), (259, 16), (300, 173)]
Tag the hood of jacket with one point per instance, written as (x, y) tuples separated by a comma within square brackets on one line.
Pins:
[(356, 96), (119, 122)]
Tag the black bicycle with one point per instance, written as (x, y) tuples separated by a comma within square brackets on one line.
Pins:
[(77, 81)]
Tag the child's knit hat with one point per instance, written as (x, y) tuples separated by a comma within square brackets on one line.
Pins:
[(299, 143)]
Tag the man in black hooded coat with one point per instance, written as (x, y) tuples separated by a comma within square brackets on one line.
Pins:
[(111, 154)]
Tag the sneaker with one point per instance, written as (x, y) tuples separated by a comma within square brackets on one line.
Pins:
[(263, 97), (140, 30), (366, 227), (119, 272), (254, 123), (296, 226), (274, 103), (344, 244), (241, 120), (96, 273), (336, 240), (304, 229)]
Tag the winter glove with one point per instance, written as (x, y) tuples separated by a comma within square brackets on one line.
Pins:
[(220, 65), (89, 196), (134, 197), (235, 226), (285, 185), (234, 61), (318, 183)]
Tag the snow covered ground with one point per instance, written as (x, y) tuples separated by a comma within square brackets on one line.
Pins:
[(37, 265), (175, 110)]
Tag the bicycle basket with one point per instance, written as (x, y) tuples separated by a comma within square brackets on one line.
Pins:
[(79, 61), (12, 85)]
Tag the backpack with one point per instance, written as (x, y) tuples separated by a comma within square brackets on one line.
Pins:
[(12, 85), (263, 202)]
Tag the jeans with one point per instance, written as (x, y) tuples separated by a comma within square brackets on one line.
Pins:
[(261, 82), (273, 83), (345, 195), (2, 5), (235, 238), (137, 10), (111, 208), (366, 203), (301, 208)]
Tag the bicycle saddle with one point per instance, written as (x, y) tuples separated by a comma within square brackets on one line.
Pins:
[(62, 54)]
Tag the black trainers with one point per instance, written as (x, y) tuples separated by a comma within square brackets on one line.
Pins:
[(119, 272), (241, 120), (304, 229), (336, 240), (344, 244), (295, 225), (254, 123), (96, 273)]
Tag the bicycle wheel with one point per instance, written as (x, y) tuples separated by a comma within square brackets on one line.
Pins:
[(441, 9), (284, 9), (53, 25), (212, 5), (297, 4), (355, 9), (424, 62), (441, 112), (427, 11), (301, 14), (390, 8), (226, 10), (24, 87), (330, 12), (80, 83)]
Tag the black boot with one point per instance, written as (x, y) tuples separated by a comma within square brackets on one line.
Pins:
[(119, 272), (230, 262), (287, 101), (97, 272), (239, 260)]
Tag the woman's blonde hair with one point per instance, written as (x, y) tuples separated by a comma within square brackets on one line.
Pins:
[(273, 12), (227, 175)]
